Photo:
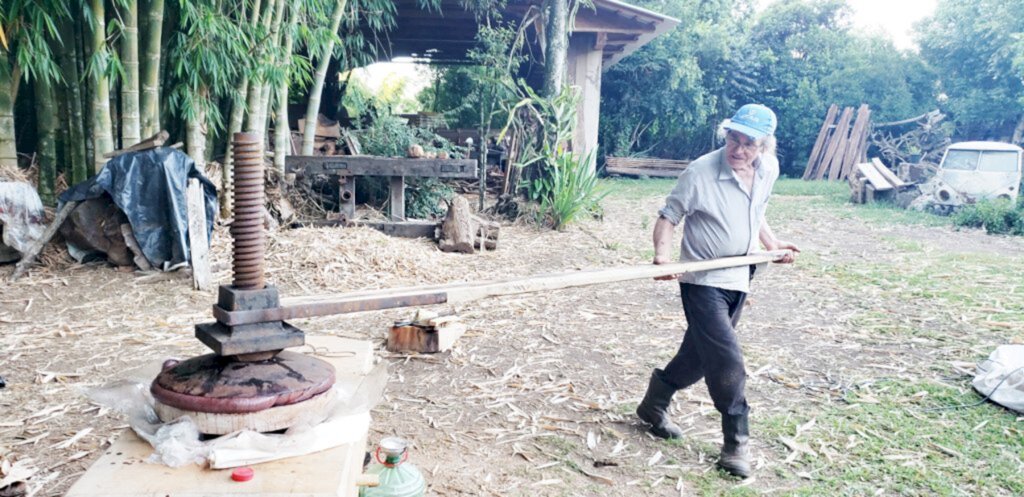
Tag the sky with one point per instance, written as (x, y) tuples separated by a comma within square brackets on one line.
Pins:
[(892, 17)]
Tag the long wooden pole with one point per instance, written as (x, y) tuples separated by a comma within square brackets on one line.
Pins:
[(456, 293)]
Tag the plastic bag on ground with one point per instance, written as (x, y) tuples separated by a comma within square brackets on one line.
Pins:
[(1001, 377), (22, 219)]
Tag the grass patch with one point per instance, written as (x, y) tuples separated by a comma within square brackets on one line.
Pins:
[(634, 189), (891, 440), (834, 191)]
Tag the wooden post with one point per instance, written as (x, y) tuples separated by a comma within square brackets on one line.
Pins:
[(397, 198), (36, 248), (198, 244), (347, 196)]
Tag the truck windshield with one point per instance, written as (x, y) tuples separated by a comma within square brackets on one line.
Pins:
[(998, 162), (961, 160)]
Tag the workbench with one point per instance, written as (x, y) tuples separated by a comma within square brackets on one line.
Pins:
[(346, 167), (122, 471)]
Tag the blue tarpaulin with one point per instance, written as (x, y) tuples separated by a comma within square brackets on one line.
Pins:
[(149, 187)]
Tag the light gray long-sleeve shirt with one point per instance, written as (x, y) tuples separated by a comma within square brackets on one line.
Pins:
[(723, 219)]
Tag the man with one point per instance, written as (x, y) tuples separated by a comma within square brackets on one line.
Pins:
[(723, 196)]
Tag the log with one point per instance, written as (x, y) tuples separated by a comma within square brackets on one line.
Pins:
[(37, 247), (457, 231)]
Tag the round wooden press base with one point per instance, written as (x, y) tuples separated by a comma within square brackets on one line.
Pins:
[(270, 419)]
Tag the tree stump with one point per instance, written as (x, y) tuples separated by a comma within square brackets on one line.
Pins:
[(458, 230)]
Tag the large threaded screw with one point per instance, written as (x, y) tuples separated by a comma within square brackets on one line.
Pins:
[(247, 228)]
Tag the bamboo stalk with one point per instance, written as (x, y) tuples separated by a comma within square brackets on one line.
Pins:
[(101, 130), (149, 99), (76, 128), (313, 107), (282, 130), (46, 145), (131, 132), (8, 153)]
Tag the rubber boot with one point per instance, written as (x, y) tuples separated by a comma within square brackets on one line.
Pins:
[(653, 410), (735, 457)]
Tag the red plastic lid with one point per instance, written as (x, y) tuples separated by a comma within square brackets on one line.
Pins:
[(242, 474)]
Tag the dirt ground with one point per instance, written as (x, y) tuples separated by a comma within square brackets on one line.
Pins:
[(537, 398)]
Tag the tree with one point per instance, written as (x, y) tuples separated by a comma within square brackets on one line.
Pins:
[(556, 45), (974, 47)]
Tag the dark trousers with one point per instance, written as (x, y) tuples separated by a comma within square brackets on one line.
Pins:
[(710, 348)]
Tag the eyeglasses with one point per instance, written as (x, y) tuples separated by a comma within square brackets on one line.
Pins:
[(733, 141)]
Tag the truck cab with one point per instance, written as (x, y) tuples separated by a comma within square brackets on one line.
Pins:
[(981, 170)]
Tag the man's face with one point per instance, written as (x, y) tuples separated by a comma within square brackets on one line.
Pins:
[(740, 149)]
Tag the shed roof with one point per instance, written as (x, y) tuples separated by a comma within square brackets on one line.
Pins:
[(446, 36)]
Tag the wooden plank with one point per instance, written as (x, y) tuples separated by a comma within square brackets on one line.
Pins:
[(453, 293), (152, 142), (198, 244), (857, 135), (415, 228), (37, 247), (405, 229), (122, 470), (653, 162), (832, 161), (644, 171), (396, 187), (874, 177), (889, 175), (819, 143), (380, 166)]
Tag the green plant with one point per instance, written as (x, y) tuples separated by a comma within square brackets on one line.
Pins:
[(562, 183), (997, 216), (423, 198), (571, 189)]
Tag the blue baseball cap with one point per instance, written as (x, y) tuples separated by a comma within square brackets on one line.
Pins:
[(753, 120)]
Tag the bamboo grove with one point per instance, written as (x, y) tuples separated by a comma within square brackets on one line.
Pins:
[(81, 78)]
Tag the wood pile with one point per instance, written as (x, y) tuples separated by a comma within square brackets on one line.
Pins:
[(325, 138), (840, 146), (644, 166), (870, 179)]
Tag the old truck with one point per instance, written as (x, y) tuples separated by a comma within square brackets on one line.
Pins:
[(979, 171), (968, 172)]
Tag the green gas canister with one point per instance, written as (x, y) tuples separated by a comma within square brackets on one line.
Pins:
[(398, 478)]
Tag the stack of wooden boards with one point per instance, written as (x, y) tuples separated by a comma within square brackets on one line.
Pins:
[(871, 178), (644, 166), (839, 147)]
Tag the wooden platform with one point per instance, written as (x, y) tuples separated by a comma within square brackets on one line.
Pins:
[(122, 471), (645, 167)]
